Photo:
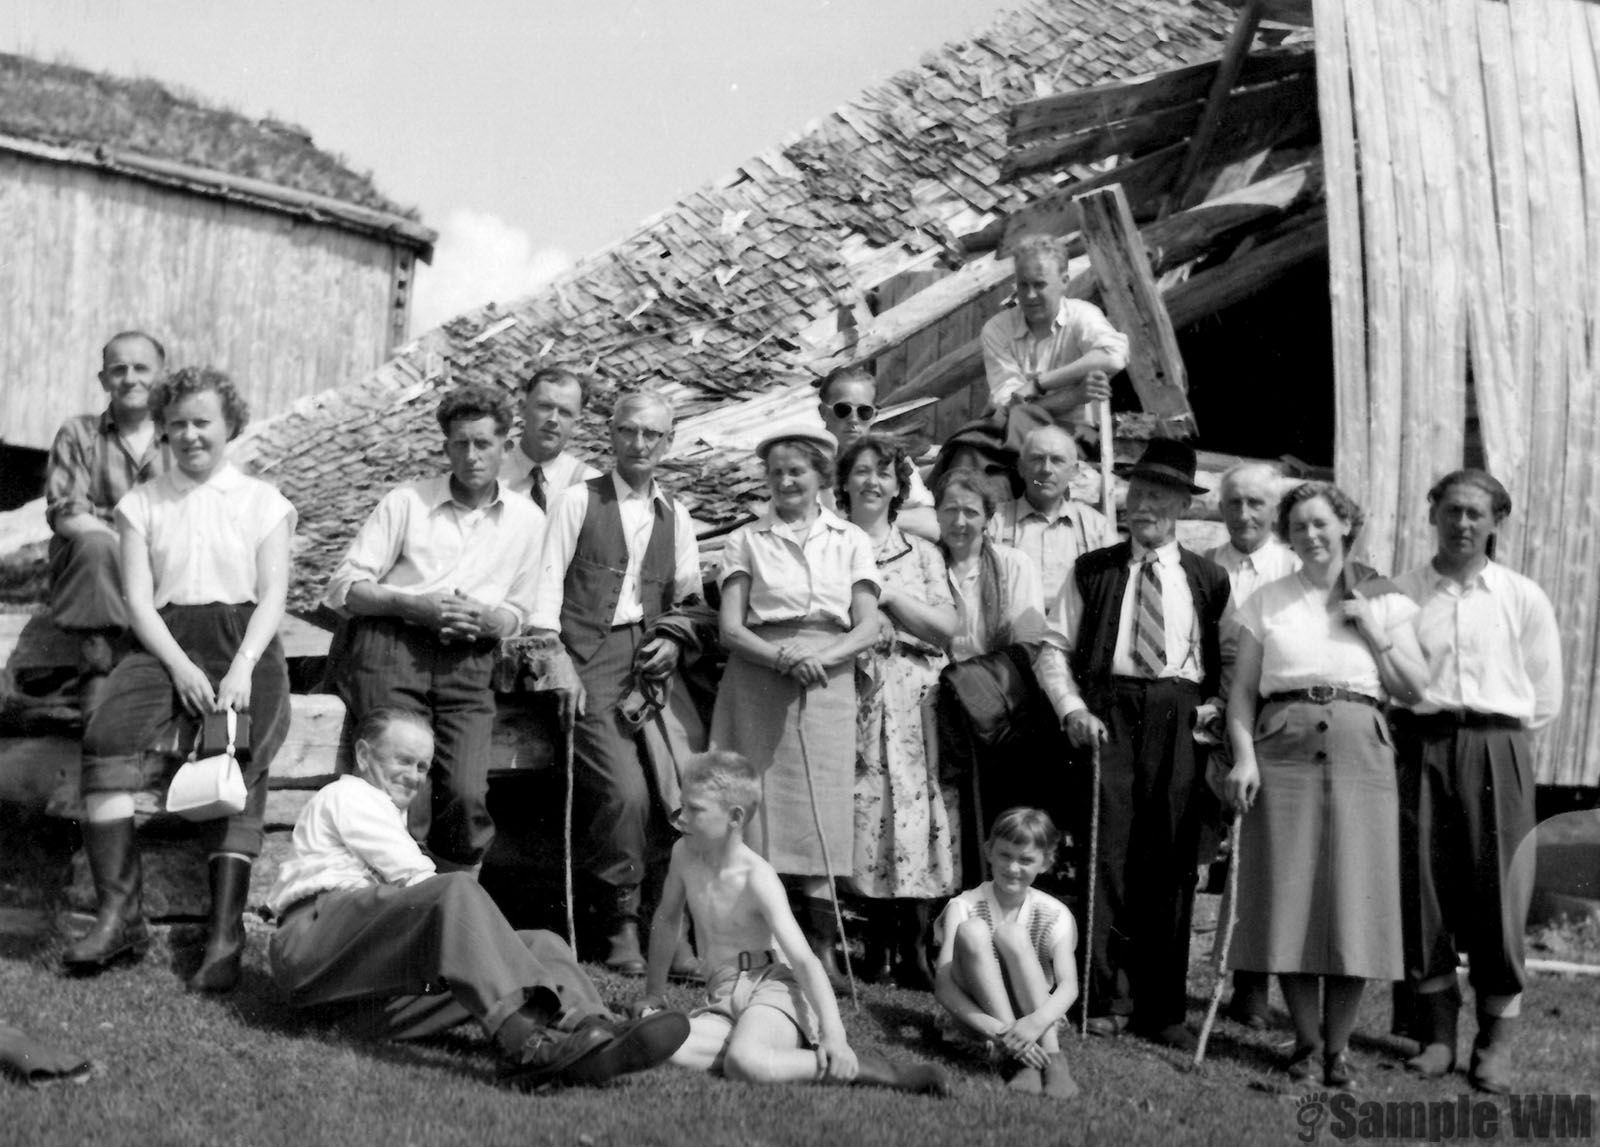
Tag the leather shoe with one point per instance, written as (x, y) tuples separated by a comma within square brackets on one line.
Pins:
[(1305, 1065), (1337, 1072), (1111, 1025), (1174, 1036), (630, 1046), (547, 1054)]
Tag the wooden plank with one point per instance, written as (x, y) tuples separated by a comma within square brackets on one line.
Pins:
[(1297, 13), (1133, 304), (1228, 72), (1157, 128), (1248, 274), (1068, 113), (32, 641)]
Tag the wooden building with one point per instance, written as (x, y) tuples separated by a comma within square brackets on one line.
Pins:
[(237, 242)]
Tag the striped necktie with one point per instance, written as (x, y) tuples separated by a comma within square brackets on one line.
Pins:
[(1149, 625), (536, 489)]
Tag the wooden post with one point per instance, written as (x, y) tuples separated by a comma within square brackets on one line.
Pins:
[(1133, 304), (1205, 131)]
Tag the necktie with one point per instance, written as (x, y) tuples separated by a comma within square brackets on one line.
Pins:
[(1149, 625), (536, 489)]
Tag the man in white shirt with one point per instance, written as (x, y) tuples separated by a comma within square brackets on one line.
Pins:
[(1050, 348), (848, 403), (539, 464), (440, 572), (1046, 525), (620, 553), (1252, 556), (1466, 763)]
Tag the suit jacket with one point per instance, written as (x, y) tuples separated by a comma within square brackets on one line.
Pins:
[(1102, 577)]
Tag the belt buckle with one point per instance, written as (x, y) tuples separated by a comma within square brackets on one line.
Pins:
[(1321, 694), (744, 961)]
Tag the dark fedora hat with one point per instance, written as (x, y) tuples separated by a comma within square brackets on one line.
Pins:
[(988, 438), (1167, 461)]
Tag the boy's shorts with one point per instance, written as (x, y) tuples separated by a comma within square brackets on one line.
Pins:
[(731, 992)]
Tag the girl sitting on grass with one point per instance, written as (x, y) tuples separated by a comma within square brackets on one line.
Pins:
[(1006, 971)]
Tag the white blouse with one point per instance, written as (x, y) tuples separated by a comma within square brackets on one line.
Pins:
[(793, 580), (1303, 643)]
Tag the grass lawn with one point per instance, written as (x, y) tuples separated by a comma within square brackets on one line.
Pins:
[(171, 1068)]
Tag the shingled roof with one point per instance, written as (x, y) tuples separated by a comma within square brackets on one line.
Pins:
[(729, 292), (66, 106)]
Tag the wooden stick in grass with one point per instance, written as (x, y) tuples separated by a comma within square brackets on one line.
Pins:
[(1221, 949)]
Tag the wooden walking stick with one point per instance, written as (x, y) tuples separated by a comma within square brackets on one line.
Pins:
[(1220, 949), (827, 863), (1094, 870), (1108, 450)]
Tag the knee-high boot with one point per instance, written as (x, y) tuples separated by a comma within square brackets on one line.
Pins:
[(219, 965), (119, 927), (912, 967)]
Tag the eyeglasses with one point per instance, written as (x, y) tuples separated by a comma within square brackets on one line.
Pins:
[(864, 411), (644, 434)]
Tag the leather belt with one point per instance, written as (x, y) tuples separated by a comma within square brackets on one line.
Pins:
[(1324, 695), (1450, 719), (749, 960)]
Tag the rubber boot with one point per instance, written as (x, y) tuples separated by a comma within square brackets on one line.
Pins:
[(912, 967), (119, 929), (622, 937), (821, 927), (1435, 1023), (923, 1078), (1491, 1054), (878, 948), (219, 964)]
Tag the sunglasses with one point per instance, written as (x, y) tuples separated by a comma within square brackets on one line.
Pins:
[(864, 411)]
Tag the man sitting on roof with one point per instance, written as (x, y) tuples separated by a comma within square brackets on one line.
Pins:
[(539, 464), (440, 572), (848, 404), (94, 461), (1051, 349)]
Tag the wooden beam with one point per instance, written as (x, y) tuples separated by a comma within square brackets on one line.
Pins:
[(1249, 273), (1295, 13), (1157, 128), (1069, 113), (1133, 304), (1233, 57), (32, 641)]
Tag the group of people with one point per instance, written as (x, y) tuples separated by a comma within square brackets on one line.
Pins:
[(926, 682)]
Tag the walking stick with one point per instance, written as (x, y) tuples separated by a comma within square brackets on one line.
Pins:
[(1094, 870), (1220, 950), (827, 863), (566, 847), (1108, 450)]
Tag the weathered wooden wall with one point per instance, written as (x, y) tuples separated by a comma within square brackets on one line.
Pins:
[(1462, 147), (287, 306)]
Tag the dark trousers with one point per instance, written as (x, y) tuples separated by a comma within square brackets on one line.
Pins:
[(613, 797), (388, 662), (86, 582), (419, 960), (140, 701), (1466, 805), (1144, 896)]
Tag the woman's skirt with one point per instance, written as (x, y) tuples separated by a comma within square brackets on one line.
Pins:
[(1319, 854), (779, 727)]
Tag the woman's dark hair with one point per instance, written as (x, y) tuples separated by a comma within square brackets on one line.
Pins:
[(472, 401), (993, 597), (191, 380), (819, 458), (1028, 827), (1343, 505), (897, 458)]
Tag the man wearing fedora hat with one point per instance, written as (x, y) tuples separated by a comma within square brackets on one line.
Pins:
[(1139, 622)]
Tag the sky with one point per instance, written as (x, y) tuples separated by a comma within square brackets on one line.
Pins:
[(527, 132)]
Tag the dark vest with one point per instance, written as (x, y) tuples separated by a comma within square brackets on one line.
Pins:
[(593, 584), (1102, 577)]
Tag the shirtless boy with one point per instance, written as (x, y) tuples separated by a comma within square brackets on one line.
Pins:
[(769, 1015)]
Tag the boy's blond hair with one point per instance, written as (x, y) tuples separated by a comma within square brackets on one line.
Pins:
[(726, 777)]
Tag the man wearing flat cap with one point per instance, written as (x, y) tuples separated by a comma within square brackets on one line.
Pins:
[(1139, 624)]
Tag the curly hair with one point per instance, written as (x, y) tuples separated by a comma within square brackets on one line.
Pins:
[(1027, 828), (895, 455), (471, 401), (191, 380), (1344, 507)]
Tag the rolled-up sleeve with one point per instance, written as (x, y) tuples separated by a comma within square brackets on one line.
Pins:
[(374, 550), (1094, 332)]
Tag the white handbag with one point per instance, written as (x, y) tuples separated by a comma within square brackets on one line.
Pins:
[(211, 787)]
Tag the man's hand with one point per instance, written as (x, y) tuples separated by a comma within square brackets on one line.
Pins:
[(193, 687), (1084, 729), (658, 657), (835, 1060), (464, 618), (571, 699), (426, 610)]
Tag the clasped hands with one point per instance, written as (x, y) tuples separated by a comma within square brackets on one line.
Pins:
[(795, 660)]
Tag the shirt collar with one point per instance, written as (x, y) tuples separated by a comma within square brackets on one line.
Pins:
[(826, 518), (625, 492), (1486, 578), (1166, 555), (442, 495), (225, 479), (1024, 509), (1019, 324)]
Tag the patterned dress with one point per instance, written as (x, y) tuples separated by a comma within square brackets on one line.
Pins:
[(906, 821)]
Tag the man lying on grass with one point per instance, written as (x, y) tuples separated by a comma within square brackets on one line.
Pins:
[(365, 921), (769, 1015)]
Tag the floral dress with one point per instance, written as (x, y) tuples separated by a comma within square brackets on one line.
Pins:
[(906, 821)]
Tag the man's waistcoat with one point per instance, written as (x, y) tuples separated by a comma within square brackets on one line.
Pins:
[(599, 562)]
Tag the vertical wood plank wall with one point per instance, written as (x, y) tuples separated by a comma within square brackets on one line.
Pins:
[(287, 306), (1462, 141)]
